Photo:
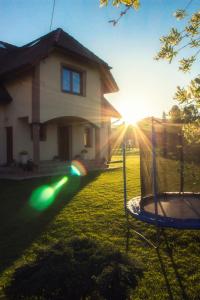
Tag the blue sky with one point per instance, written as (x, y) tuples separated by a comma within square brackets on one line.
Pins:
[(146, 86)]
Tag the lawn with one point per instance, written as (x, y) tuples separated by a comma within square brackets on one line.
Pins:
[(93, 207)]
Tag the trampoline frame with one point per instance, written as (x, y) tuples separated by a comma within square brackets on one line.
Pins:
[(159, 221)]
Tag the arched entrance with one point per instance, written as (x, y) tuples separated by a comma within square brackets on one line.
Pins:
[(70, 137)]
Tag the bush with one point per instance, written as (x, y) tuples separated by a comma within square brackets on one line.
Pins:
[(82, 269)]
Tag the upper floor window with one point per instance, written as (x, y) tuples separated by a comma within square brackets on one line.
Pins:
[(72, 81)]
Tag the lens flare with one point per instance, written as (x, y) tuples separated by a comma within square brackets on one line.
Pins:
[(60, 183), (42, 197), (45, 195), (75, 171), (78, 169)]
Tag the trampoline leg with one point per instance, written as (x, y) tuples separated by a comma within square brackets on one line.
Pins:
[(127, 231), (156, 244)]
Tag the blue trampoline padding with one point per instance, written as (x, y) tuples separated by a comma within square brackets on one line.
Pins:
[(135, 209)]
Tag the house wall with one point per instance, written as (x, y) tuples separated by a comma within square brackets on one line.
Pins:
[(2, 136), (55, 103), (49, 148), (22, 138), (20, 90), (78, 142)]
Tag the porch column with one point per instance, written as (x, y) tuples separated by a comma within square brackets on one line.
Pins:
[(36, 143), (97, 142), (109, 141), (36, 113)]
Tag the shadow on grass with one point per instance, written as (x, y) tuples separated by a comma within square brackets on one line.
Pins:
[(169, 252), (164, 274), (81, 269), (175, 268), (20, 224), (162, 261)]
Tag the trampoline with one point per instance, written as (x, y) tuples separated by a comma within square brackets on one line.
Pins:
[(169, 177)]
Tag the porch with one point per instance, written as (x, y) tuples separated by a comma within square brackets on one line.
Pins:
[(61, 139), (64, 139), (47, 169), (51, 146)]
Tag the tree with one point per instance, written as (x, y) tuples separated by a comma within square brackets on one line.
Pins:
[(190, 114), (175, 114), (172, 45), (132, 3), (185, 115), (135, 4)]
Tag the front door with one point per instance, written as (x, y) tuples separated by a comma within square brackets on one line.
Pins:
[(64, 142), (9, 145)]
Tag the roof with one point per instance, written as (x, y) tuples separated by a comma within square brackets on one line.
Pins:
[(4, 95), (14, 59), (109, 110)]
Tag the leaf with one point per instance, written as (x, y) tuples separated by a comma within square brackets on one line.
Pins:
[(104, 2), (197, 80), (195, 19), (186, 63), (192, 30), (194, 43), (180, 14), (134, 3)]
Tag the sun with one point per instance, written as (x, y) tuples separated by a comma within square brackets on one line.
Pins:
[(130, 116), (129, 120)]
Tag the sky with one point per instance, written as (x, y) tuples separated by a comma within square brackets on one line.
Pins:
[(146, 86)]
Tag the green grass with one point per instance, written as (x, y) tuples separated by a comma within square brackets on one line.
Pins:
[(93, 207)]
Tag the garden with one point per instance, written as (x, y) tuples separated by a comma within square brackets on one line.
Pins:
[(85, 227)]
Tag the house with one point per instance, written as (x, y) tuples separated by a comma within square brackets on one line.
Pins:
[(52, 102)]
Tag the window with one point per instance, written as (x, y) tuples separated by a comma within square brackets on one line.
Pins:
[(72, 81), (88, 137)]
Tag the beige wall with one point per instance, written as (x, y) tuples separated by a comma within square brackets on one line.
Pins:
[(55, 103), (49, 148), (20, 90), (78, 142), (22, 138), (2, 136)]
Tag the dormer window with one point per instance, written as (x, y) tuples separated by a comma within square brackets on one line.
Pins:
[(72, 81)]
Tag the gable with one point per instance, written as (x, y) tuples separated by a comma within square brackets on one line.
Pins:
[(20, 59)]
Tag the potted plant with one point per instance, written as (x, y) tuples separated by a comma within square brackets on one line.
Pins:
[(23, 157), (84, 153)]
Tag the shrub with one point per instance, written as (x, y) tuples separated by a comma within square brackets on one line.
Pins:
[(82, 269)]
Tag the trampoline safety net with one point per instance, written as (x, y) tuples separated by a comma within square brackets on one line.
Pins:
[(169, 161), (170, 176)]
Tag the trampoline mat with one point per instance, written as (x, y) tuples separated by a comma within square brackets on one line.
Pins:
[(180, 206), (174, 210)]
